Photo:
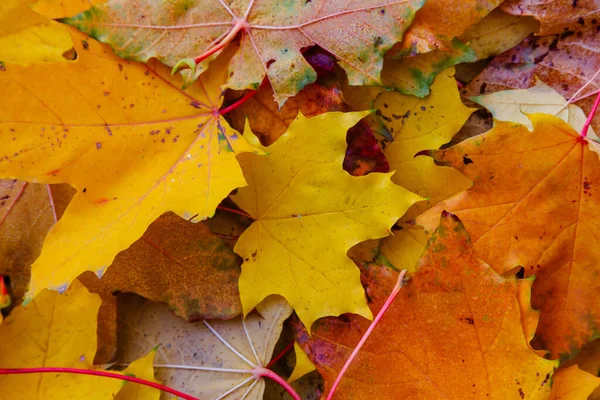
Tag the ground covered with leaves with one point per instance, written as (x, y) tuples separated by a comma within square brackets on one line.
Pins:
[(246, 199)]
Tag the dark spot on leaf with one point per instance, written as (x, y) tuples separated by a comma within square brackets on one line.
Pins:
[(467, 160), (482, 88), (85, 44), (120, 67), (2, 67), (98, 145), (377, 41), (423, 108), (84, 190), (195, 104), (382, 12), (581, 21), (521, 393), (566, 34), (574, 3)]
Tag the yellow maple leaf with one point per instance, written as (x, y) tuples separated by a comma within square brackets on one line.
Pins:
[(308, 213), (573, 384), (132, 144), (53, 331), (61, 8), (26, 36)]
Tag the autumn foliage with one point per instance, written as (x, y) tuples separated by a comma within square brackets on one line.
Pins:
[(190, 189)]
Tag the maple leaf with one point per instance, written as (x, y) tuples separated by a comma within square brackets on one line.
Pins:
[(204, 359), (53, 331), (556, 16), (27, 212), (573, 384), (26, 36), (181, 264), (534, 204), (357, 34), (308, 213), (445, 306), (136, 148)]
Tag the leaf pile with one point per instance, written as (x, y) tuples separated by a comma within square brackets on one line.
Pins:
[(189, 189)]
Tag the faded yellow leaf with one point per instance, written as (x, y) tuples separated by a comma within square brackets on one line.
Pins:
[(514, 105), (195, 358), (404, 249), (26, 36), (308, 213), (136, 147), (140, 368), (53, 331)]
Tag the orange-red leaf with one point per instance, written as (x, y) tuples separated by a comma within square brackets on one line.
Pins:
[(453, 332), (534, 203)]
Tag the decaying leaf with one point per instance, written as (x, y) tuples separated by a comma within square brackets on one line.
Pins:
[(308, 213), (183, 265), (556, 16), (269, 122), (444, 336), (497, 33), (53, 331), (565, 62), (27, 212), (534, 203), (136, 147), (273, 34), (203, 359)]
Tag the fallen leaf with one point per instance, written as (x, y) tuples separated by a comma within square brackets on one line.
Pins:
[(183, 265), (404, 248), (136, 148), (269, 122), (444, 336), (141, 368), (533, 204), (27, 212), (573, 384), (498, 32), (53, 331), (26, 36), (308, 213), (556, 16), (272, 35), (564, 62), (514, 105), (203, 359), (440, 21), (416, 124)]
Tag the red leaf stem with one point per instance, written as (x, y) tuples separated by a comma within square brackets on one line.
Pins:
[(106, 374), (238, 103), (263, 372), (232, 210), (386, 305), (588, 121), (280, 355)]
